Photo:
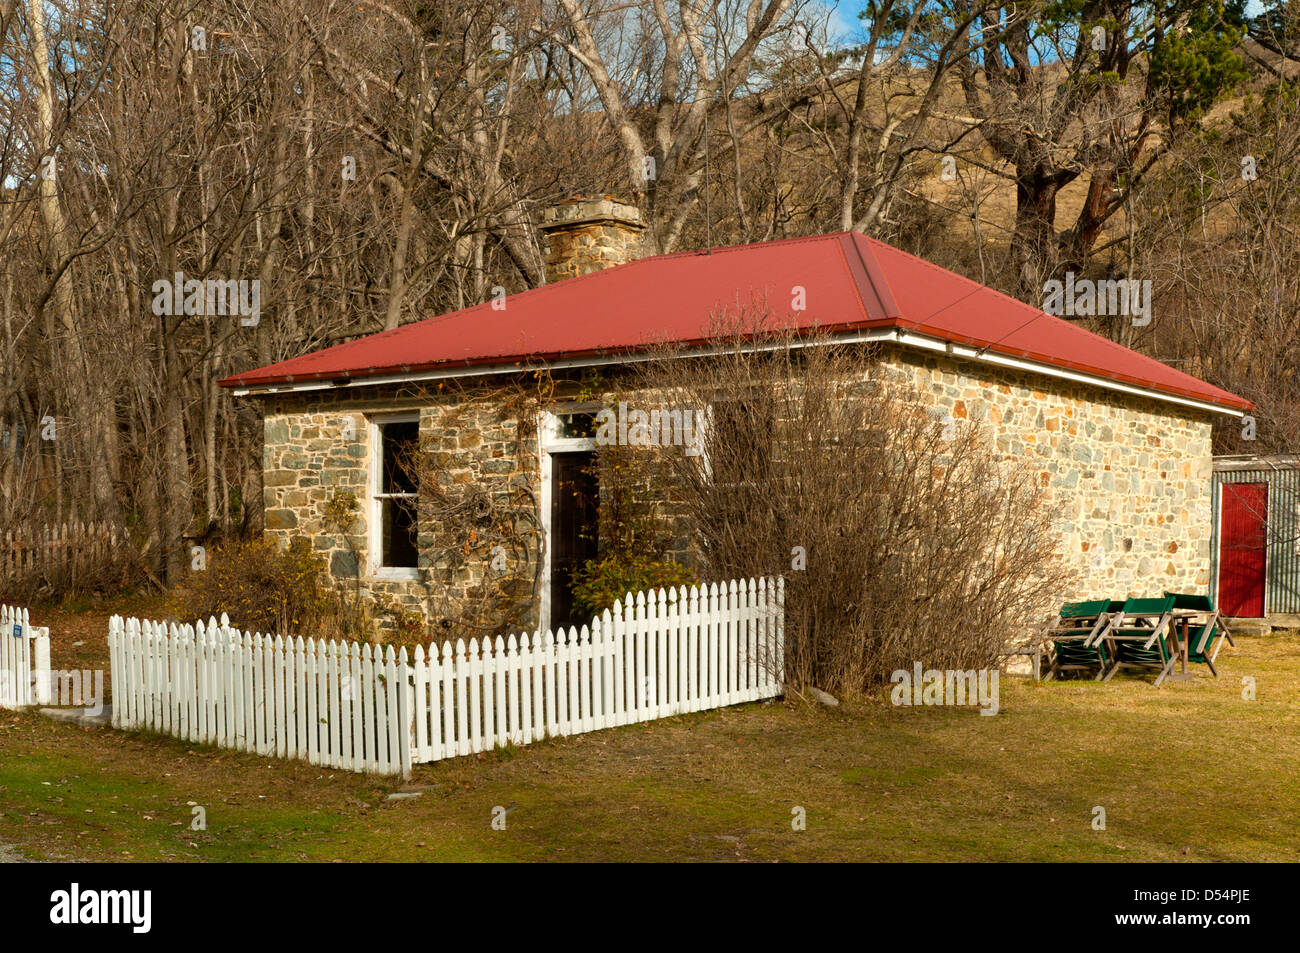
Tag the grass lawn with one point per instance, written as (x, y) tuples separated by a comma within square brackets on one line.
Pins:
[(1191, 771)]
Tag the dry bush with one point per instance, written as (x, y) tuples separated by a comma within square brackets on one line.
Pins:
[(920, 545), (261, 587), (276, 590), (480, 542)]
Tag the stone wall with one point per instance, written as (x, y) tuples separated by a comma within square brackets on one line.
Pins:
[(481, 475), (1128, 477)]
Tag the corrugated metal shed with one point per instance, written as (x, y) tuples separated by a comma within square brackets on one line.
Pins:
[(1282, 559)]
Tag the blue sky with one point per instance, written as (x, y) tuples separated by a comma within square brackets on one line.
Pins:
[(844, 22)]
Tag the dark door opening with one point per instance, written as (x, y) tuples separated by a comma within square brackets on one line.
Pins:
[(1243, 518), (574, 535)]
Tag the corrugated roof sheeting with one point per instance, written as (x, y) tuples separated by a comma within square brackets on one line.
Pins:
[(834, 283)]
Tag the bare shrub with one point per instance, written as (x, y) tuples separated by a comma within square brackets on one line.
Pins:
[(471, 519), (260, 586), (920, 545)]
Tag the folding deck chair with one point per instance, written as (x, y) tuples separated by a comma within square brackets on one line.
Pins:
[(1141, 637), (1077, 637), (1206, 633)]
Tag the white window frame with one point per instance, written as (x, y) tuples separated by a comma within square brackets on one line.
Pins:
[(375, 500)]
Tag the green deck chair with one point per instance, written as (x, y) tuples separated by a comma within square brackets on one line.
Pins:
[(1206, 634), (1142, 637), (1077, 638)]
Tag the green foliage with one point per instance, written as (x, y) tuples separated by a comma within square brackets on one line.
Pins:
[(341, 512), (1190, 70), (591, 385), (602, 582), (1191, 45), (261, 587), (633, 536), (235, 498)]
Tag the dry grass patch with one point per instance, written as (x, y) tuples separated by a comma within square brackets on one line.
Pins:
[(1187, 772)]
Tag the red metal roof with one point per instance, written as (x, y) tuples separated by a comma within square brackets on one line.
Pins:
[(850, 281)]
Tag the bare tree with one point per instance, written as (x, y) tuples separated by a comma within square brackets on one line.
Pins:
[(900, 541), (662, 82), (1099, 93)]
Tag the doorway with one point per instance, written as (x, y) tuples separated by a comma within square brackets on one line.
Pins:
[(574, 529), (1243, 522)]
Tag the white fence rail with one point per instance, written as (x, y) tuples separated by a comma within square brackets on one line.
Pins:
[(678, 651), (24, 660), (336, 704), (359, 708)]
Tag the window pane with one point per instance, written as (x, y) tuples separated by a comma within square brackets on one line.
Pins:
[(577, 424), (399, 545), (400, 442)]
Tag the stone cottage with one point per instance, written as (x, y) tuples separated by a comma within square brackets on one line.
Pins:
[(1122, 441)]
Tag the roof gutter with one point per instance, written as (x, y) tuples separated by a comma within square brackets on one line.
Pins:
[(898, 335), (520, 367), (1251, 463), (912, 339)]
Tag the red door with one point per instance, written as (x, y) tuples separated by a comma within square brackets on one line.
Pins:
[(1243, 517)]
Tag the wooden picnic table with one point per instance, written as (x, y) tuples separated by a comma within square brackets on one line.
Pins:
[(1178, 630)]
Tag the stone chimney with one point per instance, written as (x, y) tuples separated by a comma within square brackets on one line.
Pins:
[(587, 234)]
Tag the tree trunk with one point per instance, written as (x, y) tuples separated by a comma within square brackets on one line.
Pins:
[(90, 411), (1033, 247)]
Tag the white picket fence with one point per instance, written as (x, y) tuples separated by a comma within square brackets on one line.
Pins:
[(337, 704), (358, 708), (678, 650), (24, 650)]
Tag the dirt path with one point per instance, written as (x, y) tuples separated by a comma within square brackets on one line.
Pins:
[(9, 856), (79, 638)]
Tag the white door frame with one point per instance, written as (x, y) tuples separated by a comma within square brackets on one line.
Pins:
[(549, 442)]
